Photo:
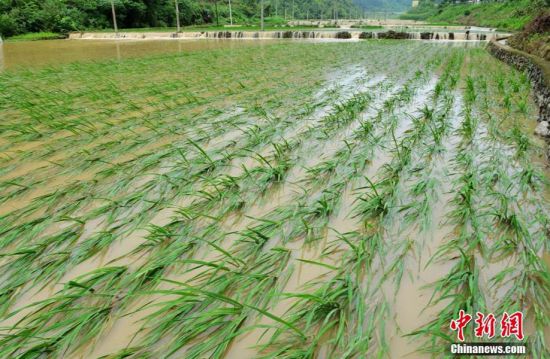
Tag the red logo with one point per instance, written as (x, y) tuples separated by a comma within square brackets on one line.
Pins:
[(460, 324), (510, 324), (485, 325)]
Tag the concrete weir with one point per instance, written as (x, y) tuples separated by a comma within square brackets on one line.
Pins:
[(292, 34)]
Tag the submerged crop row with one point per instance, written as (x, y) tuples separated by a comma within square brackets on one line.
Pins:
[(283, 200)]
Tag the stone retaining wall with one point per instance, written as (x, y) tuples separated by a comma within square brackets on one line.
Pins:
[(537, 69)]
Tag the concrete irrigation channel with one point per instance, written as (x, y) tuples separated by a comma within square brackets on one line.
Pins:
[(267, 199)]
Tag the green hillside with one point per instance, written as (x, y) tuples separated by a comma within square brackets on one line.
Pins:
[(380, 5), (506, 15), (535, 38)]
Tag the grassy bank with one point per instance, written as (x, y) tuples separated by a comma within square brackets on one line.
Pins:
[(37, 36), (508, 15), (367, 27)]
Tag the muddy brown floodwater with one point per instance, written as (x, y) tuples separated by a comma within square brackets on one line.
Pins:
[(26, 54)]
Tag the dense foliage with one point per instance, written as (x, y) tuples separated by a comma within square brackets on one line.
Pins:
[(22, 16), (503, 14)]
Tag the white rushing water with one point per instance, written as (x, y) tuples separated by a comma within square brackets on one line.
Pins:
[(446, 35)]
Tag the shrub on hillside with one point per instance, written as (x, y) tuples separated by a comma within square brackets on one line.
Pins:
[(539, 25), (535, 38)]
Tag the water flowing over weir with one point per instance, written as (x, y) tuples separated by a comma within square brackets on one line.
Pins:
[(290, 34)]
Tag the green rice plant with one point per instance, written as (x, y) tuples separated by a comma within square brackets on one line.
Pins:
[(521, 140), (61, 324), (327, 308), (335, 307), (484, 198), (43, 260), (84, 255), (259, 239), (195, 311), (397, 268), (258, 236), (374, 204), (461, 289), (530, 178)]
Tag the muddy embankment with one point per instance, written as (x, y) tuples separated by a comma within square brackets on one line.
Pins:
[(538, 71), (290, 34)]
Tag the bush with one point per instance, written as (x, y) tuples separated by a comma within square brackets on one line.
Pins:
[(396, 35), (8, 26), (540, 25), (535, 38), (366, 35), (343, 35), (275, 20)]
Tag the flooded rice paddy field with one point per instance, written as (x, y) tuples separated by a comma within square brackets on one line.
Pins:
[(25, 54), (291, 200)]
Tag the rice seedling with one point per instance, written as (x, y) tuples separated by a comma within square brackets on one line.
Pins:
[(198, 185), (339, 309), (487, 198), (74, 315)]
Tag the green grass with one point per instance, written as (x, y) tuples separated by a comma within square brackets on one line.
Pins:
[(286, 191), (36, 36), (440, 23), (506, 15), (367, 27)]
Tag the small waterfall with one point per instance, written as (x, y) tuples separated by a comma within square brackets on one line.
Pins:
[(429, 36), (304, 34)]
